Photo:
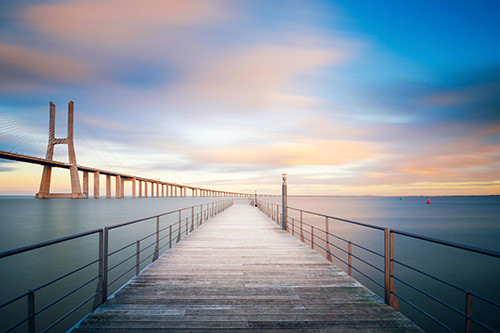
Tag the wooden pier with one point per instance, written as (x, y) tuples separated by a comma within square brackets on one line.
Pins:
[(240, 271)]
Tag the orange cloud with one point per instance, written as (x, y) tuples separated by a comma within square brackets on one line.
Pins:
[(311, 152), (113, 22)]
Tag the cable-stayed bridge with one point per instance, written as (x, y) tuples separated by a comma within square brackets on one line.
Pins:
[(141, 186)]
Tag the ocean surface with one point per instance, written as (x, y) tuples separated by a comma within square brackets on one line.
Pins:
[(474, 221)]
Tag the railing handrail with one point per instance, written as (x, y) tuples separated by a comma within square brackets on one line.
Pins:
[(339, 219), (114, 226), (100, 296), (470, 248), (31, 247), (465, 247), (391, 296)]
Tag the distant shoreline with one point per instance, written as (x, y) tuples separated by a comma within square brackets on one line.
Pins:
[(311, 196)]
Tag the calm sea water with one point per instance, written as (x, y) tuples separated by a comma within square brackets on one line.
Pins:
[(473, 221), (469, 220)]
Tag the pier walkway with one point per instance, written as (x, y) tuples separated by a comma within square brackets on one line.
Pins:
[(239, 271)]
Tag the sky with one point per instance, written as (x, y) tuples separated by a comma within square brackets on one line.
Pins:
[(346, 97)]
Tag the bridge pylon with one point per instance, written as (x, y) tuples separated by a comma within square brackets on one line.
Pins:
[(76, 190)]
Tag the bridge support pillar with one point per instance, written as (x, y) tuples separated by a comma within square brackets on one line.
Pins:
[(133, 188), (117, 186), (85, 184), (76, 191), (108, 186), (96, 184), (122, 187)]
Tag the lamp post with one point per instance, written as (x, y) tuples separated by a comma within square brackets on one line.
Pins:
[(283, 203)]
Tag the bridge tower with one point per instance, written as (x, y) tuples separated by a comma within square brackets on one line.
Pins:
[(76, 190)]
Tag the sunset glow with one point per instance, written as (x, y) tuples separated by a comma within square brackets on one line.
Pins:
[(347, 98)]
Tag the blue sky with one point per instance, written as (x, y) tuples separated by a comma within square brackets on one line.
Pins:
[(347, 97)]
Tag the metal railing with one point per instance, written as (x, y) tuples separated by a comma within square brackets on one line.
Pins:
[(175, 232), (323, 240)]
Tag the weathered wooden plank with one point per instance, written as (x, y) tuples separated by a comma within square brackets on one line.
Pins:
[(240, 272)]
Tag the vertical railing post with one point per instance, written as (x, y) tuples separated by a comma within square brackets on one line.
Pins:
[(349, 258), (327, 237), (98, 298), (293, 226), (386, 267), (180, 226), (105, 266), (137, 257), (468, 312), (192, 218), (301, 228), (283, 203), (187, 226), (312, 237), (31, 311), (201, 214), (393, 298), (157, 247), (170, 237)]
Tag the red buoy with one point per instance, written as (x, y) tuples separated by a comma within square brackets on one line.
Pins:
[(428, 201)]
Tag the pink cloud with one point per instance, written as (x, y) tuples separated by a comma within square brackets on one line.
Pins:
[(114, 22), (41, 63)]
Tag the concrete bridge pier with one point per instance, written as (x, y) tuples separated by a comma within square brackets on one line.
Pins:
[(96, 185), (108, 186)]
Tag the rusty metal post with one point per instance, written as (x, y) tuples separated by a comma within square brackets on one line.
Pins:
[(468, 312), (327, 234)]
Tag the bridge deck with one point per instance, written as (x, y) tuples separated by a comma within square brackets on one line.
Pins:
[(239, 271)]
